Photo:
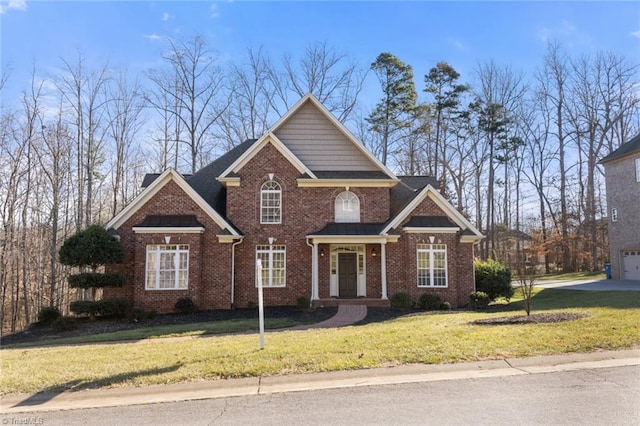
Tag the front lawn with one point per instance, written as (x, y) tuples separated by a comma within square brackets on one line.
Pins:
[(612, 321)]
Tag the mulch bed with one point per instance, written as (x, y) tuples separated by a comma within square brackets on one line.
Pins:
[(539, 318), (84, 326)]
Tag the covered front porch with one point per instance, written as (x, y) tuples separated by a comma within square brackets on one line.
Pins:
[(349, 265)]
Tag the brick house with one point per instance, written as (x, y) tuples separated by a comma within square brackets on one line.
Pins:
[(309, 210), (622, 176)]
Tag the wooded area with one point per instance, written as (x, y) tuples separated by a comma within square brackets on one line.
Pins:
[(516, 153)]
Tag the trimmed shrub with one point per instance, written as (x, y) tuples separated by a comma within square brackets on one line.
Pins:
[(93, 247), (93, 279), (105, 307), (304, 303), (429, 302), (479, 300), (445, 306), (139, 315), (401, 300), (48, 315), (184, 306), (252, 305), (493, 278), (64, 324)]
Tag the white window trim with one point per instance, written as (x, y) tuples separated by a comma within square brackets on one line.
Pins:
[(637, 169), (270, 250), (614, 214), (430, 250), (263, 192), (157, 250), (350, 215)]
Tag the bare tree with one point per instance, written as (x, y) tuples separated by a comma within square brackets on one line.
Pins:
[(192, 93), (594, 112), (501, 90), (83, 96), (332, 77), (123, 121), (248, 114)]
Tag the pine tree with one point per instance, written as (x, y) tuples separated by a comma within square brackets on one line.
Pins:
[(398, 100)]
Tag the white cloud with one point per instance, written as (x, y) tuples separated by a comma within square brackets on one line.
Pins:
[(152, 37), (635, 33), (214, 11), (166, 16), (563, 29), (456, 43), (12, 5)]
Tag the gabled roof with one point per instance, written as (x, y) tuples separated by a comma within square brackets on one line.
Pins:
[(351, 229), (430, 192), (628, 148), (247, 155), (204, 180), (429, 222), (166, 177), (176, 221), (408, 188), (271, 135)]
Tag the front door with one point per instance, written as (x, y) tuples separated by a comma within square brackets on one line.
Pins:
[(348, 274)]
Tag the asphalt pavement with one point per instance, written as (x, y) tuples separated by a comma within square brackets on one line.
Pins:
[(117, 397), (592, 285)]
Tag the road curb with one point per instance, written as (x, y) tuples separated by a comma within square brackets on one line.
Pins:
[(414, 373)]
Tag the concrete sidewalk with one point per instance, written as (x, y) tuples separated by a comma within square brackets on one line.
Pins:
[(308, 382), (346, 315)]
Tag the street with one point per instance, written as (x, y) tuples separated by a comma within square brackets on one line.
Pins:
[(601, 396)]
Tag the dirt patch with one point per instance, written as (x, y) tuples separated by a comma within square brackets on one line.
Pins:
[(540, 318)]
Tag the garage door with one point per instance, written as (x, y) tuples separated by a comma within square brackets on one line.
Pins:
[(631, 263)]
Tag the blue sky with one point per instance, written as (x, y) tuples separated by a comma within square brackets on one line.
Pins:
[(130, 33)]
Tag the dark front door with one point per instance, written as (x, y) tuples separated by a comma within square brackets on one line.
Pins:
[(348, 274)]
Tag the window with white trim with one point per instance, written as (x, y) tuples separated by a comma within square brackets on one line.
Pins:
[(432, 265), (167, 267), (347, 207), (273, 260), (271, 202), (614, 215), (637, 169)]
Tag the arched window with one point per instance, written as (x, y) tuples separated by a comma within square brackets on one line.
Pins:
[(347, 207), (270, 202)]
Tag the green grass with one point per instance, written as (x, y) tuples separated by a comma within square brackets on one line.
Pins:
[(159, 332), (612, 322), (571, 276)]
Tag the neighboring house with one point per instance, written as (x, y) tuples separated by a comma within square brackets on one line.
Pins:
[(622, 175), (308, 203)]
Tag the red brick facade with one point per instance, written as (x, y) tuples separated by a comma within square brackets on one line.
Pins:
[(305, 211)]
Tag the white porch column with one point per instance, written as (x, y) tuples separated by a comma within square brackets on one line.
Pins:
[(383, 269), (315, 295)]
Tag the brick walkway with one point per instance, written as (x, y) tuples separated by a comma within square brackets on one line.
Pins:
[(346, 315)]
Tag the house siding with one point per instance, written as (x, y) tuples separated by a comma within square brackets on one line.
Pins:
[(623, 194), (319, 144)]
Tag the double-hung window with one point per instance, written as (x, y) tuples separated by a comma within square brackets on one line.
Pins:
[(272, 265), (271, 202), (167, 267), (432, 265)]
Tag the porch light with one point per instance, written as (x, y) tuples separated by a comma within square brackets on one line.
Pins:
[(374, 253), (321, 252)]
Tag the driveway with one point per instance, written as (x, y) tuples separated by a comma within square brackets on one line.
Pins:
[(592, 285)]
